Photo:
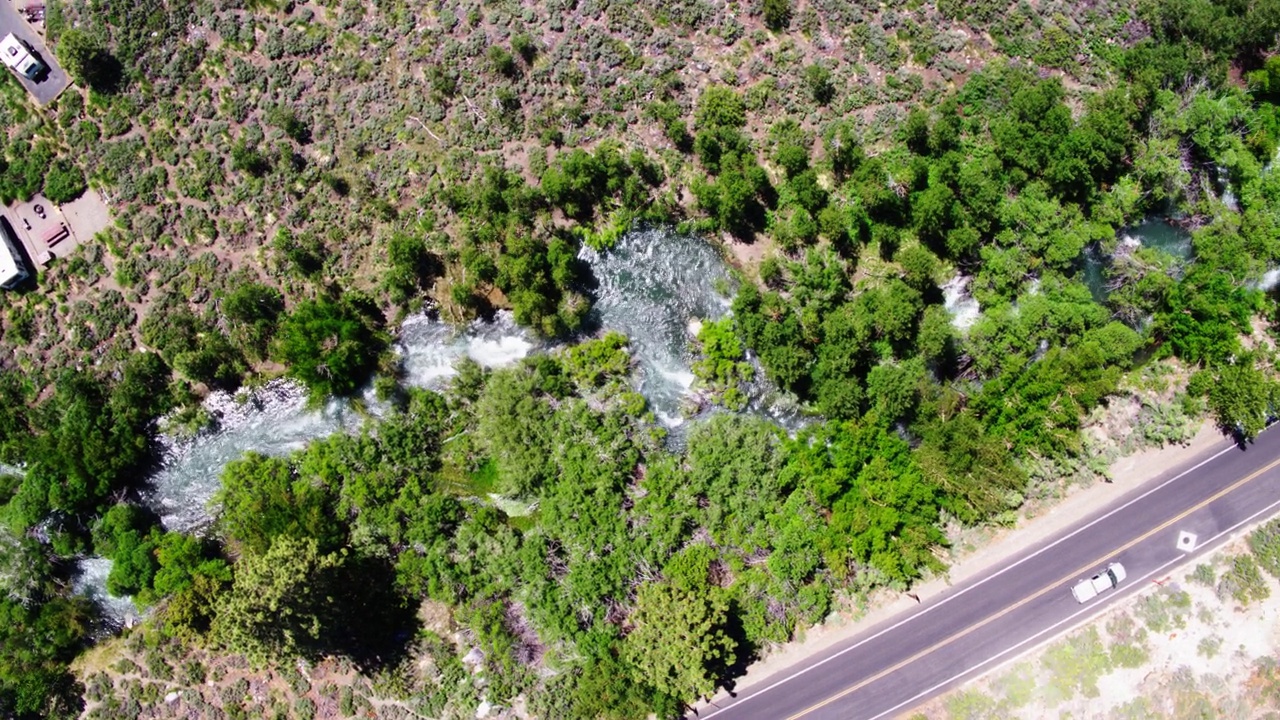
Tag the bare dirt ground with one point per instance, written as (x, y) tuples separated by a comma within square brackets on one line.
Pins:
[(998, 544), (87, 216), (1189, 648)]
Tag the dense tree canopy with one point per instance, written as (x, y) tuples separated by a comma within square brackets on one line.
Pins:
[(330, 346)]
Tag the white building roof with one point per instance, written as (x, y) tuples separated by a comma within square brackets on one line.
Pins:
[(11, 269)]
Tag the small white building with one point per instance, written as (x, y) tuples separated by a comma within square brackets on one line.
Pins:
[(12, 269), (17, 56)]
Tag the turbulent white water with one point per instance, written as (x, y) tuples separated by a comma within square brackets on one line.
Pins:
[(276, 418), (91, 582), (957, 300), (429, 348), (656, 286), (273, 420)]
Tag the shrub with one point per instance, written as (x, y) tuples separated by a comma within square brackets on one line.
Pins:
[(287, 120), (777, 14), (524, 46), (720, 107), (502, 61), (1243, 582), (1265, 544), (63, 182), (1204, 575), (818, 79)]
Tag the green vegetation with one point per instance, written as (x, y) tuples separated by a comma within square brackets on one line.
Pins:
[(665, 654), (1264, 543), (1164, 610), (722, 369), (1242, 581), (331, 347), (265, 228), (63, 182)]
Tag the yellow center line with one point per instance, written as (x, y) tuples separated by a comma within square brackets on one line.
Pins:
[(1051, 586)]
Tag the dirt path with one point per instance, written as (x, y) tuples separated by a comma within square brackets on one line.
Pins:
[(1127, 473)]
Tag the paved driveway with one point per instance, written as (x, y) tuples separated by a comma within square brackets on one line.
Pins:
[(52, 82)]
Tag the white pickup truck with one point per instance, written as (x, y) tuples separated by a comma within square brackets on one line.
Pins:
[(1086, 590)]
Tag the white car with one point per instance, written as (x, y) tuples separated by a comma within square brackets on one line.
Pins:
[(1086, 590)]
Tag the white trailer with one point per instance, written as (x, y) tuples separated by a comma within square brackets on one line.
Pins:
[(16, 54)]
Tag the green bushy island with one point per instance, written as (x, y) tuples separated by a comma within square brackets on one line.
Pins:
[(290, 180)]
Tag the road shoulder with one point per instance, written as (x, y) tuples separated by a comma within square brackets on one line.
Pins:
[(1129, 474), (1199, 640)]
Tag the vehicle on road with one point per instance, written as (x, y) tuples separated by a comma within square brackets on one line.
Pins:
[(1086, 590)]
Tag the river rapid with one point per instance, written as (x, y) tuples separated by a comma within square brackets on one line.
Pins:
[(655, 286)]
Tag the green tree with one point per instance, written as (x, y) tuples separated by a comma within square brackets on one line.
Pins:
[(125, 535), (777, 14), (281, 602), (919, 266), (264, 498), (1204, 315), (86, 60), (502, 61), (411, 268), (915, 131), (844, 151), (1243, 397), (516, 425), (330, 346), (883, 510), (595, 363), (92, 437), (720, 106), (38, 641), (252, 311), (722, 368), (679, 642), (733, 465), (182, 561), (818, 79), (63, 181), (603, 689), (893, 389)]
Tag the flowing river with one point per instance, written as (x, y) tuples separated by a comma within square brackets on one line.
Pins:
[(652, 286), (1152, 233)]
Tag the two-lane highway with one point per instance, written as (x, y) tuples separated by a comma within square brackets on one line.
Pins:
[(970, 627)]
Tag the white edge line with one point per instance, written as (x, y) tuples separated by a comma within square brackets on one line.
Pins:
[(974, 586), (1092, 608)]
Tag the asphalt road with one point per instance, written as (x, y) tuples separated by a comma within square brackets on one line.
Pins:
[(51, 83), (968, 628)]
